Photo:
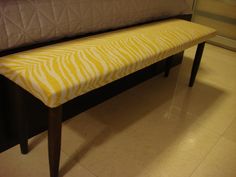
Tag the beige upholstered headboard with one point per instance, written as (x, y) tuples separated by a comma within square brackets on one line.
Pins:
[(26, 22)]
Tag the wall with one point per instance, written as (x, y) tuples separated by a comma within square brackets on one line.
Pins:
[(221, 15)]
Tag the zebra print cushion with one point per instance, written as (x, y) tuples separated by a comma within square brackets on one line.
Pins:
[(58, 73)]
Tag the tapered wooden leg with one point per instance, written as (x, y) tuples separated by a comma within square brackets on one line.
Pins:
[(2, 127), (22, 122), (196, 63), (2, 123), (23, 137), (168, 63), (54, 139)]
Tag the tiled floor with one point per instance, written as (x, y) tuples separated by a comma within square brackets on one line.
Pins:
[(160, 128)]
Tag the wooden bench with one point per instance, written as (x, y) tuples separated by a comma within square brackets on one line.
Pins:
[(61, 72)]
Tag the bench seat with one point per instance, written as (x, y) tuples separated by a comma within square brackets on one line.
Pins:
[(58, 73)]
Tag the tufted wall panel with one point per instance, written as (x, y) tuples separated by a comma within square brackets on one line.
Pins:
[(26, 22)]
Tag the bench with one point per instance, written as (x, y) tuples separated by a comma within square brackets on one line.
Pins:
[(58, 73)]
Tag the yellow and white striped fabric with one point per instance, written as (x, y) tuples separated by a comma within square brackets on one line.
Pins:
[(58, 73)]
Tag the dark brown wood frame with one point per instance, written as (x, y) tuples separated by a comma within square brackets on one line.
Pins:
[(55, 119), (55, 115), (196, 63)]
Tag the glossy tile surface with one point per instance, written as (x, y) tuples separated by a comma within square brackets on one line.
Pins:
[(230, 133), (221, 161), (35, 164), (160, 128)]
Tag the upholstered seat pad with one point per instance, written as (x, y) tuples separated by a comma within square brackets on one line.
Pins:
[(58, 73)]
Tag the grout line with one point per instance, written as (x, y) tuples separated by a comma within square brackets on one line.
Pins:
[(95, 175), (228, 126), (77, 161), (204, 158), (220, 137)]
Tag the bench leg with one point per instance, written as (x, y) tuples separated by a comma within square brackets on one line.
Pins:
[(23, 137), (168, 64), (54, 139), (22, 122), (2, 127), (196, 63), (2, 118)]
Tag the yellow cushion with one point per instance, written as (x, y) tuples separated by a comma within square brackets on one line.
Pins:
[(58, 73)]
